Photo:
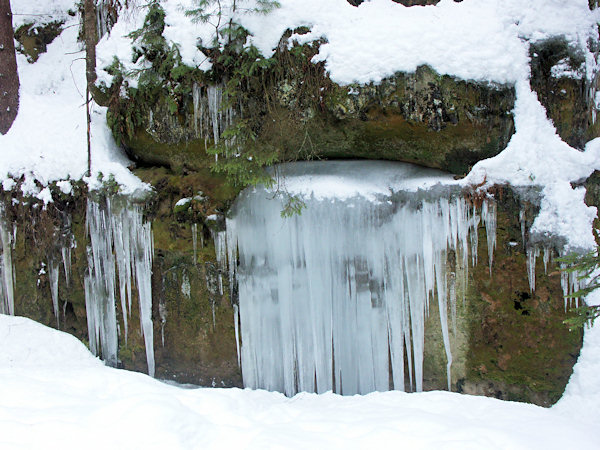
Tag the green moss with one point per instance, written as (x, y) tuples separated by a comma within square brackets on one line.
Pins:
[(518, 341), (33, 39), (565, 97)]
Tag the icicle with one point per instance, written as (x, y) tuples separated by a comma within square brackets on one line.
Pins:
[(122, 249), (53, 271), (475, 236), (197, 100), (533, 252), (547, 252), (195, 241), (118, 232), (66, 259), (236, 327), (186, 289), (162, 313), (488, 213), (7, 299), (99, 284), (220, 240), (334, 298), (215, 94), (570, 282), (523, 226), (142, 255)]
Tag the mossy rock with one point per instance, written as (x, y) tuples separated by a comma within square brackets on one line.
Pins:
[(558, 77), (293, 111), (519, 347), (509, 342), (34, 39)]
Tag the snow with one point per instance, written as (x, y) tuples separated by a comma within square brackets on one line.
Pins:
[(55, 394), (342, 180), (381, 37), (536, 156), (47, 142), (31, 11)]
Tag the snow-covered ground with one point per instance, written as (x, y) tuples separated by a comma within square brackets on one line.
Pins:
[(55, 394)]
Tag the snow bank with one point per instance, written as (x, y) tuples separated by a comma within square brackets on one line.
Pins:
[(33, 11), (53, 394), (48, 140)]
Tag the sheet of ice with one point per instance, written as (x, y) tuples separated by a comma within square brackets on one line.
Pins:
[(342, 290), (54, 394)]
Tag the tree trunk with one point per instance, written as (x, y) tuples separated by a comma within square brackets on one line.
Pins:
[(9, 77), (91, 39)]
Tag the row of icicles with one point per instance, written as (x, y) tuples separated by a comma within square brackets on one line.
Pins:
[(120, 255), (276, 262)]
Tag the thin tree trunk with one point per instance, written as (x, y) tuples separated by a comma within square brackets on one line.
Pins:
[(9, 76), (91, 39)]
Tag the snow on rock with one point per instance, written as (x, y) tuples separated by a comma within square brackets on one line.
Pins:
[(536, 156), (54, 394), (342, 180), (33, 11), (381, 37)]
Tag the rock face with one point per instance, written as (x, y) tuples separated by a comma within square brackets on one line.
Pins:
[(424, 118), (558, 76), (194, 338), (518, 345), (509, 343), (33, 39)]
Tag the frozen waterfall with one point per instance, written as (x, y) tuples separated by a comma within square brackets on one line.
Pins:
[(121, 243), (336, 298)]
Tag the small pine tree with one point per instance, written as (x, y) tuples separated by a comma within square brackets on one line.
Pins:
[(587, 267)]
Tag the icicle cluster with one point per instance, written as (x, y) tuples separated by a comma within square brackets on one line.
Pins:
[(569, 281), (106, 15), (210, 118), (53, 272), (120, 242), (7, 280), (336, 298)]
